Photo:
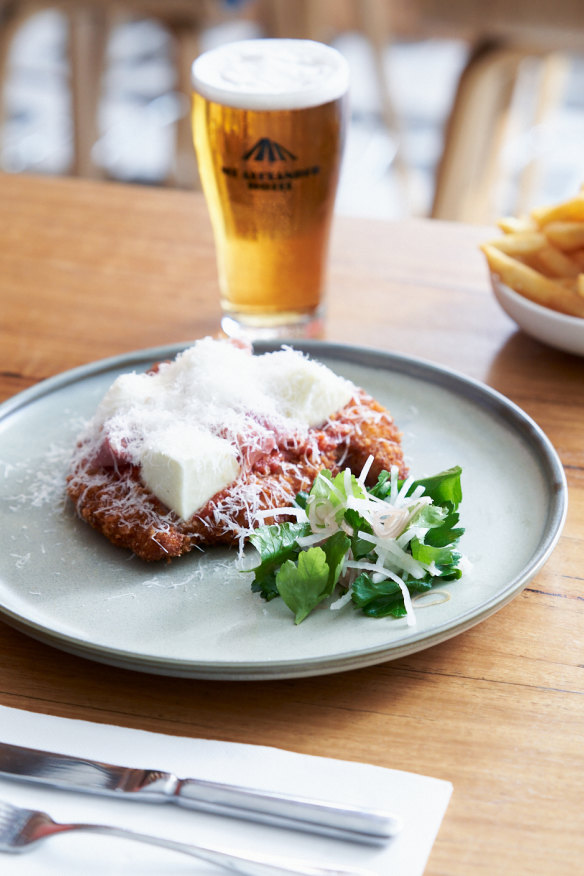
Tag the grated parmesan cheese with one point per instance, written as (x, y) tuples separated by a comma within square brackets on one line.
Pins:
[(194, 425)]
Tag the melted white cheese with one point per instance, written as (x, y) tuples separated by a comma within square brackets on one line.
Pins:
[(186, 467), (191, 425), (303, 390)]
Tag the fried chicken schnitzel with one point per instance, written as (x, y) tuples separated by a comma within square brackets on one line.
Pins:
[(268, 439)]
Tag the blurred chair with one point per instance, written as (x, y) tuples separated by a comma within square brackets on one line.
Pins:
[(507, 41), (502, 38), (90, 23), (470, 170)]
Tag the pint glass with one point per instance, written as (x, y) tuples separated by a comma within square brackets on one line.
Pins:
[(268, 128)]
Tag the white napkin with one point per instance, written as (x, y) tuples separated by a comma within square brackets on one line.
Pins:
[(418, 800)]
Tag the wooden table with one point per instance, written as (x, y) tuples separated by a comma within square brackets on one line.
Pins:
[(89, 270)]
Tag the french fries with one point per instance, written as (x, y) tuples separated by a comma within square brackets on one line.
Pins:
[(541, 256)]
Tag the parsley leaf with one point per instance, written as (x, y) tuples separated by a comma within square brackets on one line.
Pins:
[(384, 598), (443, 488), (275, 544), (304, 584)]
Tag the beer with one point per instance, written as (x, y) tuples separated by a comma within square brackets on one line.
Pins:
[(268, 127)]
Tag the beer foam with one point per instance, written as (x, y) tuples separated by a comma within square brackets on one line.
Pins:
[(271, 74)]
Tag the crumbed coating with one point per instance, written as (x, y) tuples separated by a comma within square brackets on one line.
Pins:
[(375, 437), (113, 500)]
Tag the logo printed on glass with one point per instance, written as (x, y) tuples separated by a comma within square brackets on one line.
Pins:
[(266, 150)]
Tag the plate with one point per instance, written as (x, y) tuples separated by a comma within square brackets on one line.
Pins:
[(549, 326), (66, 585)]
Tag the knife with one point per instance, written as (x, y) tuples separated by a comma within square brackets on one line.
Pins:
[(371, 826)]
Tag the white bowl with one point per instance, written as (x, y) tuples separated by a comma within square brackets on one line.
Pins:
[(553, 328)]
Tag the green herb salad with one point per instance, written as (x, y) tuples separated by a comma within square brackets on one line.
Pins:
[(374, 547)]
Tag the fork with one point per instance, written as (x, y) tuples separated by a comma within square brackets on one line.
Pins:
[(22, 828)]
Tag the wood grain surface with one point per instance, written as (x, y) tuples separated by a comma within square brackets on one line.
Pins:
[(89, 270)]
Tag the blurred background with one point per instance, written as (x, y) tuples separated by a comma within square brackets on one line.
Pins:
[(461, 110)]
